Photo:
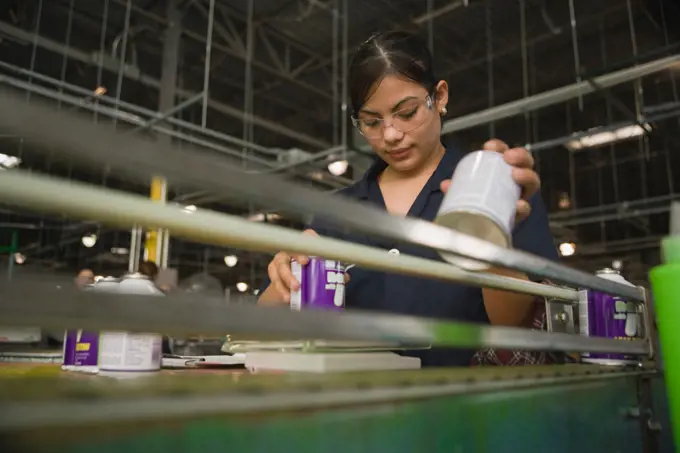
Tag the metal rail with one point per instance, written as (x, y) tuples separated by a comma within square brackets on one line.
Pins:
[(53, 195), (39, 303), (92, 144)]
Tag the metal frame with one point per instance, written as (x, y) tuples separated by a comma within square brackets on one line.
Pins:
[(27, 304), (73, 136), (558, 95)]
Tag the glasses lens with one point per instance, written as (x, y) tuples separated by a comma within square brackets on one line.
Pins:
[(407, 118)]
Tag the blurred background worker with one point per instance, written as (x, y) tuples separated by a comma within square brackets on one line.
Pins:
[(149, 268), (85, 277)]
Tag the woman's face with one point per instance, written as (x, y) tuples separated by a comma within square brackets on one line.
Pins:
[(398, 124)]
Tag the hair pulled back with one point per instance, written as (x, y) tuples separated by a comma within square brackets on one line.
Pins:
[(397, 53)]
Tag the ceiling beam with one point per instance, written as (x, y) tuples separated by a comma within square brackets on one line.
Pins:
[(136, 75)]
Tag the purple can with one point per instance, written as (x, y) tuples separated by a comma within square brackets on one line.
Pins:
[(69, 350), (602, 315), (81, 351), (322, 285)]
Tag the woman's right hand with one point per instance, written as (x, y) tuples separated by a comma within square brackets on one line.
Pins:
[(281, 276)]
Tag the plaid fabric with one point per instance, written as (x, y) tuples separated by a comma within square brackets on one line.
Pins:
[(504, 357)]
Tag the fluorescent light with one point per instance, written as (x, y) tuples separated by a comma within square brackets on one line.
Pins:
[(567, 248), (231, 260), (242, 286), (338, 168), (119, 251), (89, 240), (607, 137)]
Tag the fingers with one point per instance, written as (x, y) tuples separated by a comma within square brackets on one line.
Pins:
[(528, 180), (519, 157), (523, 163), (495, 145), (445, 184), (278, 282), (281, 275), (523, 210), (286, 274)]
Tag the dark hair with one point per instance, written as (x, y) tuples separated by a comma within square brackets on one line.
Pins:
[(389, 53), (149, 269)]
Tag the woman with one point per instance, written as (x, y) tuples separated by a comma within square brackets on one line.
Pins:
[(397, 105)]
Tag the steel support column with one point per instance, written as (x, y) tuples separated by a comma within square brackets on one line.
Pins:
[(158, 240)]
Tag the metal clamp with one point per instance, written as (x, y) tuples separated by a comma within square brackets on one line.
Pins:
[(560, 316)]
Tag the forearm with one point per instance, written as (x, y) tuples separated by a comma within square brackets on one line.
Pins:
[(507, 308)]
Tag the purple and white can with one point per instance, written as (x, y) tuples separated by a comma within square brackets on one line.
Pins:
[(481, 202), (129, 352), (322, 285), (68, 351), (81, 348), (81, 351), (602, 315)]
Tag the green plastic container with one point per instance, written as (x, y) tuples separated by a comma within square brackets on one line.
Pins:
[(665, 280)]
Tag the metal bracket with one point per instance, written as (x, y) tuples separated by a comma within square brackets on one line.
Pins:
[(560, 316), (647, 312)]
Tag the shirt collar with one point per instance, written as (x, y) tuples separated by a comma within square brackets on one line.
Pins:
[(444, 171)]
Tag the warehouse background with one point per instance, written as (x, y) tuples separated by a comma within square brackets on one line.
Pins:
[(262, 84)]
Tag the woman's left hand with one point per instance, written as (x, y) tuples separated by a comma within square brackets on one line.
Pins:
[(523, 173)]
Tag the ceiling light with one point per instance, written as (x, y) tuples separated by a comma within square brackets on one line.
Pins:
[(19, 258), (262, 216), (567, 248), (100, 91), (595, 138), (338, 168), (119, 251), (230, 260), (8, 161), (190, 208), (565, 201), (242, 287), (89, 240), (617, 265)]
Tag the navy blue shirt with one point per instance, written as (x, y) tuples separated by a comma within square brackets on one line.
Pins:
[(380, 291)]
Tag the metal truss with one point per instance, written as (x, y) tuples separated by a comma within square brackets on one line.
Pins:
[(274, 53)]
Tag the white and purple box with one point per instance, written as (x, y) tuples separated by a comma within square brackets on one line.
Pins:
[(322, 285)]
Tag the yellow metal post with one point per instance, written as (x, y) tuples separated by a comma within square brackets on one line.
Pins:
[(153, 247)]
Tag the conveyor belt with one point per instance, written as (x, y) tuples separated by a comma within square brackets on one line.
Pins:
[(29, 399)]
